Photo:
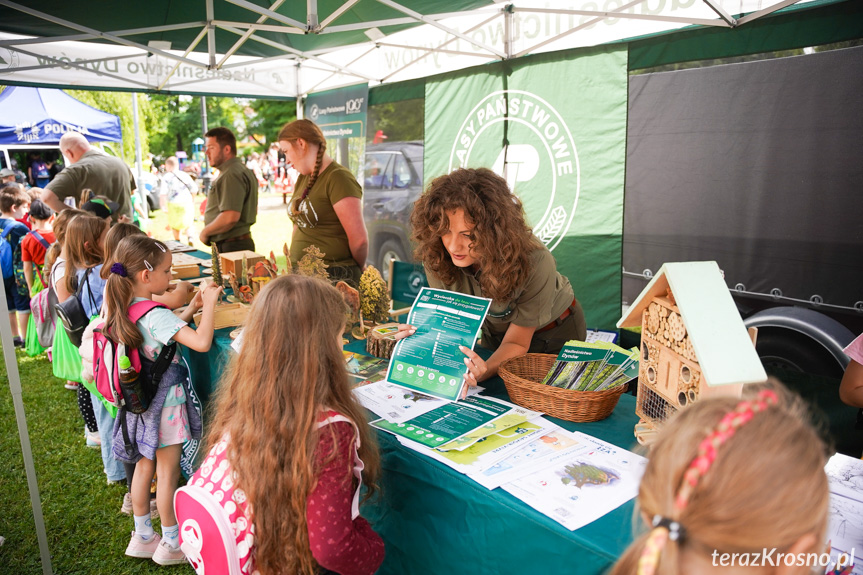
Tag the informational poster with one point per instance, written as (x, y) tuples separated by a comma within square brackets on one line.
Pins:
[(580, 487), (397, 404), (845, 531), (430, 361), (457, 425)]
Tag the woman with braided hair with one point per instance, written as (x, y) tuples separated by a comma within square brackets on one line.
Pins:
[(327, 207), (733, 477)]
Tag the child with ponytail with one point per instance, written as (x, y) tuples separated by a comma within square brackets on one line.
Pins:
[(140, 268), (66, 362), (289, 445), (733, 476)]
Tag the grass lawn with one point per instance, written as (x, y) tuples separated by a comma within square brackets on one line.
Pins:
[(87, 534)]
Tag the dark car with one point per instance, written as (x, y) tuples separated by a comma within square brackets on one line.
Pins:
[(393, 181)]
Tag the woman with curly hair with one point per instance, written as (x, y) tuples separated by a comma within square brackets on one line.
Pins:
[(327, 208), (472, 238), (293, 440)]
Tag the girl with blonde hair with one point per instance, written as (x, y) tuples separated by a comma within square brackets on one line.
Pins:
[(141, 268), (288, 431), (326, 209), (730, 476)]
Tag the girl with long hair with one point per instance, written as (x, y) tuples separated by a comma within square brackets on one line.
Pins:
[(326, 209), (287, 429), (141, 268), (730, 475), (65, 360), (472, 238)]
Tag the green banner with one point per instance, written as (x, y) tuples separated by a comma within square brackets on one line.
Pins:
[(555, 127), (340, 113)]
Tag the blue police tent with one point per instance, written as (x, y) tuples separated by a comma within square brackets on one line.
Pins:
[(43, 115)]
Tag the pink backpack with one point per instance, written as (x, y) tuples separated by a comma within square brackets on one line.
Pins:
[(106, 353), (215, 529)]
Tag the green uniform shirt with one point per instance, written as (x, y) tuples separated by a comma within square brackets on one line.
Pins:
[(317, 223), (105, 175), (235, 190), (542, 298)]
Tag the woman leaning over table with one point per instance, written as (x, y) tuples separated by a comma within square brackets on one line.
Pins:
[(472, 238), (326, 209)]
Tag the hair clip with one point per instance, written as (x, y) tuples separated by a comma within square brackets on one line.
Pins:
[(148, 265), (676, 532), (160, 246)]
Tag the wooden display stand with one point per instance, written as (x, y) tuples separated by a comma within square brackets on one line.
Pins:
[(227, 315), (380, 342), (232, 262), (185, 271)]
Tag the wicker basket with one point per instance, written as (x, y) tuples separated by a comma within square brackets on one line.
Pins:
[(522, 376)]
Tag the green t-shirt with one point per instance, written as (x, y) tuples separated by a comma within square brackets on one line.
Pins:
[(317, 223), (105, 175), (235, 190), (543, 296)]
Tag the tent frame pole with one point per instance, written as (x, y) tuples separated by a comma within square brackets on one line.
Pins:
[(436, 24), (246, 35), (96, 33), (14, 377)]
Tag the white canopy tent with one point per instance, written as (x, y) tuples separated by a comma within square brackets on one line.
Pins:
[(254, 64)]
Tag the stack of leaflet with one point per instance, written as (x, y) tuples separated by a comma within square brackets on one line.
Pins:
[(592, 366)]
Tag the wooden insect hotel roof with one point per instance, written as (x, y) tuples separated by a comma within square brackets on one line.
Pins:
[(719, 338)]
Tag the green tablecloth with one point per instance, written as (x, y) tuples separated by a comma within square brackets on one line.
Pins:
[(435, 520)]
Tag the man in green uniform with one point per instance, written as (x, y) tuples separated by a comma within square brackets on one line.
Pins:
[(232, 204)]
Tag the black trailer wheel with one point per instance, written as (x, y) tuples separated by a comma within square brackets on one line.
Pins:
[(788, 350)]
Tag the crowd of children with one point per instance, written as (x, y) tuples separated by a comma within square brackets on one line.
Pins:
[(288, 448)]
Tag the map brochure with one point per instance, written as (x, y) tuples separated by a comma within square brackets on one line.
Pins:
[(529, 457), (430, 360), (591, 366), (361, 366), (845, 529), (582, 486), (394, 403), (460, 424), (487, 451)]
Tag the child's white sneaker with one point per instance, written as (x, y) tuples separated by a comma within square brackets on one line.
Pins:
[(142, 549), (167, 555)]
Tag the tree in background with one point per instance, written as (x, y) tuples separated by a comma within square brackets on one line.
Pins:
[(401, 121), (269, 117), (119, 104), (175, 121)]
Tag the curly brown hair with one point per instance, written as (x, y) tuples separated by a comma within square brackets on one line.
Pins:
[(502, 240)]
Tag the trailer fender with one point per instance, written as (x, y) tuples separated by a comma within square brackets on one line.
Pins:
[(802, 338)]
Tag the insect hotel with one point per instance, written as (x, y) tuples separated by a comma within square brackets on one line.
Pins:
[(693, 343)]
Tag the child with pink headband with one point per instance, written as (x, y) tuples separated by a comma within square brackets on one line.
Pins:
[(733, 476)]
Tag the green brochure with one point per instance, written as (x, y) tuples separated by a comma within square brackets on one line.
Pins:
[(430, 361), (457, 425)]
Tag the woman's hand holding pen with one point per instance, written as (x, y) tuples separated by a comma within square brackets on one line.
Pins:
[(476, 367)]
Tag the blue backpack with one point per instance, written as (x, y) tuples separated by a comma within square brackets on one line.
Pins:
[(7, 257)]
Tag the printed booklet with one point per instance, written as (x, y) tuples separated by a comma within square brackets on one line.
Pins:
[(592, 366), (430, 360), (458, 425)]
